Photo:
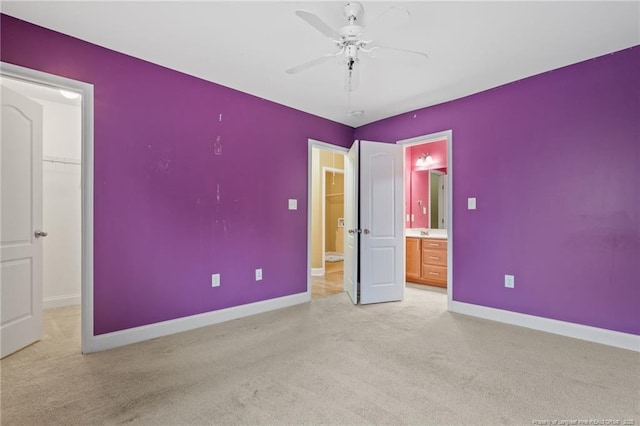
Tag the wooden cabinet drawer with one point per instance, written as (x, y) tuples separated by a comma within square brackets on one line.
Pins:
[(434, 257), (434, 244), (434, 273)]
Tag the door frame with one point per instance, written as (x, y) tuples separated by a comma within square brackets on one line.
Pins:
[(428, 138), (323, 201), (28, 75), (439, 174), (313, 143)]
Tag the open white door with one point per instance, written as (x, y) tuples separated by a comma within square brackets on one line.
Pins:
[(21, 221), (381, 222), (351, 223)]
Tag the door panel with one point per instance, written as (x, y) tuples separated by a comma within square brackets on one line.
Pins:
[(21, 212), (381, 221), (351, 223)]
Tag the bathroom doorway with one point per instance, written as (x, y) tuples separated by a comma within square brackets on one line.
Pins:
[(428, 211)]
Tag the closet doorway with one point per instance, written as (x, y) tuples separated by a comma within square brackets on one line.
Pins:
[(327, 221), (51, 309)]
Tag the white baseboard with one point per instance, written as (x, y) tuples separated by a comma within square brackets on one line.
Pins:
[(60, 301), (577, 331), (317, 272), (165, 328)]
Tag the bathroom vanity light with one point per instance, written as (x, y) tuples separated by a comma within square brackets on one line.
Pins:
[(424, 159)]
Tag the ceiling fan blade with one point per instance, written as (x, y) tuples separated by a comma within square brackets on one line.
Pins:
[(389, 20), (313, 62), (318, 24), (352, 77), (406, 57)]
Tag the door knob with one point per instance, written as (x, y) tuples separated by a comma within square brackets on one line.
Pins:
[(39, 234), (366, 231)]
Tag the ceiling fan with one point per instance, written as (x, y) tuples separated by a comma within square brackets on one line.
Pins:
[(354, 39)]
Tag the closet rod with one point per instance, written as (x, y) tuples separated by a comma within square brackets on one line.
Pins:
[(60, 160)]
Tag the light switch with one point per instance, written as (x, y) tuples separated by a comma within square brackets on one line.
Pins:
[(471, 203), (215, 280), (293, 204), (424, 210)]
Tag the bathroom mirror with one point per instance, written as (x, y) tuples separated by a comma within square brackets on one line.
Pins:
[(429, 195), (437, 200)]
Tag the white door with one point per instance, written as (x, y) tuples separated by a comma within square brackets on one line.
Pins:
[(381, 222), (21, 222), (351, 223)]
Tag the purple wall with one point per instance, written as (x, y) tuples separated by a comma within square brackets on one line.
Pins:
[(554, 161), (162, 226), (557, 207)]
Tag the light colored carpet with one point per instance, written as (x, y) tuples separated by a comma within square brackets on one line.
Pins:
[(324, 362)]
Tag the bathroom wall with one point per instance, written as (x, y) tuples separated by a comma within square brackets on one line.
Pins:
[(182, 185), (555, 207), (417, 191)]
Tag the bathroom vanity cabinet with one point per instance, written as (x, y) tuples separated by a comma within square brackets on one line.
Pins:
[(413, 250), (426, 261)]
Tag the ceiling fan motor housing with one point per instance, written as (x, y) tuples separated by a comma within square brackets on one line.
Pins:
[(353, 10)]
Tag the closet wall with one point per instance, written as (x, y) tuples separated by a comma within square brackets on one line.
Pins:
[(61, 202), (319, 158), (334, 210)]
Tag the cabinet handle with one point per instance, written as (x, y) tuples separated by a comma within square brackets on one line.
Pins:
[(434, 273), (433, 245), (434, 257)]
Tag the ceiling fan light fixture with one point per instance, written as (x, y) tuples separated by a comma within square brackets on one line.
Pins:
[(354, 38)]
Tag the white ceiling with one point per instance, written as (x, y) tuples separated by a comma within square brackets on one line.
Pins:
[(472, 46)]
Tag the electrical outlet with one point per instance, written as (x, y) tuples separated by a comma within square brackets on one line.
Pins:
[(215, 280), (509, 281), (259, 274)]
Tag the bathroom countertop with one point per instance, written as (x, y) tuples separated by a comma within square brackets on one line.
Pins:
[(432, 233)]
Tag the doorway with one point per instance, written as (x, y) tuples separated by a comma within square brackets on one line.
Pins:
[(373, 221), (61, 286), (428, 209), (326, 215)]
